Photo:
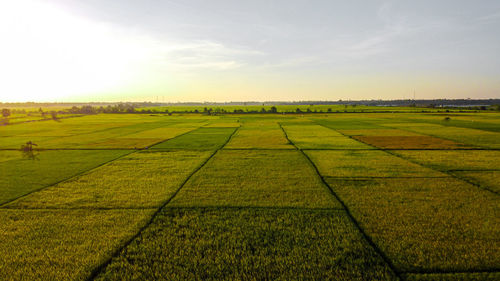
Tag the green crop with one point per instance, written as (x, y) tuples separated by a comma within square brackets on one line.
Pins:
[(243, 244)]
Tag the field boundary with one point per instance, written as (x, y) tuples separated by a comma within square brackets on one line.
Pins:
[(347, 211), (95, 272), (391, 152), (2, 205), (439, 137), (437, 271)]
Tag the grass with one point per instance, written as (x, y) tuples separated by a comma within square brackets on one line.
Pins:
[(256, 178), (455, 160), (493, 276), (21, 176), (62, 244), (140, 180), (263, 134), (377, 132), (371, 163), (318, 137), (199, 139), (470, 137), (487, 179), (426, 225), (7, 155), (243, 244), (409, 142), (471, 121), (103, 131)]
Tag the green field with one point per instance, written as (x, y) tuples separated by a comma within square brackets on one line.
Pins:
[(399, 195)]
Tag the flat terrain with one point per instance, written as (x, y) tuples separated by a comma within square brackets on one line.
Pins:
[(325, 196)]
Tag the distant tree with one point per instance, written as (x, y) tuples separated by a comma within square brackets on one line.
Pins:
[(263, 110), (329, 110), (298, 110), (273, 109), (53, 115), (87, 109), (5, 112), (28, 150)]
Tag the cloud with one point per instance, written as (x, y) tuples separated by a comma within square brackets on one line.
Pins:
[(204, 55)]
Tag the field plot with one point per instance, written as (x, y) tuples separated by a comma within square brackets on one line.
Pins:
[(409, 142), (199, 139), (140, 180), (21, 176), (246, 244), (7, 155), (350, 123), (449, 160), (260, 134), (258, 179), (92, 133), (469, 137), (370, 163), (62, 244), (314, 136), (485, 122), (378, 132), (122, 137), (485, 276), (418, 222), (487, 179)]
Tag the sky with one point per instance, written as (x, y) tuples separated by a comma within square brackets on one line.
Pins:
[(289, 50)]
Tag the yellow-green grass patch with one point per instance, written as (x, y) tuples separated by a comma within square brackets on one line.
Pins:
[(222, 125), (409, 142), (266, 136), (16, 142), (160, 133), (258, 178), (248, 244), (455, 159), (7, 155), (140, 180), (62, 244), (21, 176), (199, 139), (103, 138), (366, 163), (319, 137), (422, 225), (487, 179)]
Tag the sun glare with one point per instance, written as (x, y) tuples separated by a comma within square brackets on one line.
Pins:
[(48, 54)]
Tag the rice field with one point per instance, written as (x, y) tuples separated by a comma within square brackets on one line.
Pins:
[(338, 196)]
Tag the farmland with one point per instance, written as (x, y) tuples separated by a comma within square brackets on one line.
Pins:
[(327, 196)]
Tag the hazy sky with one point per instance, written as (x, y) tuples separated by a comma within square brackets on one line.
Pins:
[(98, 50)]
